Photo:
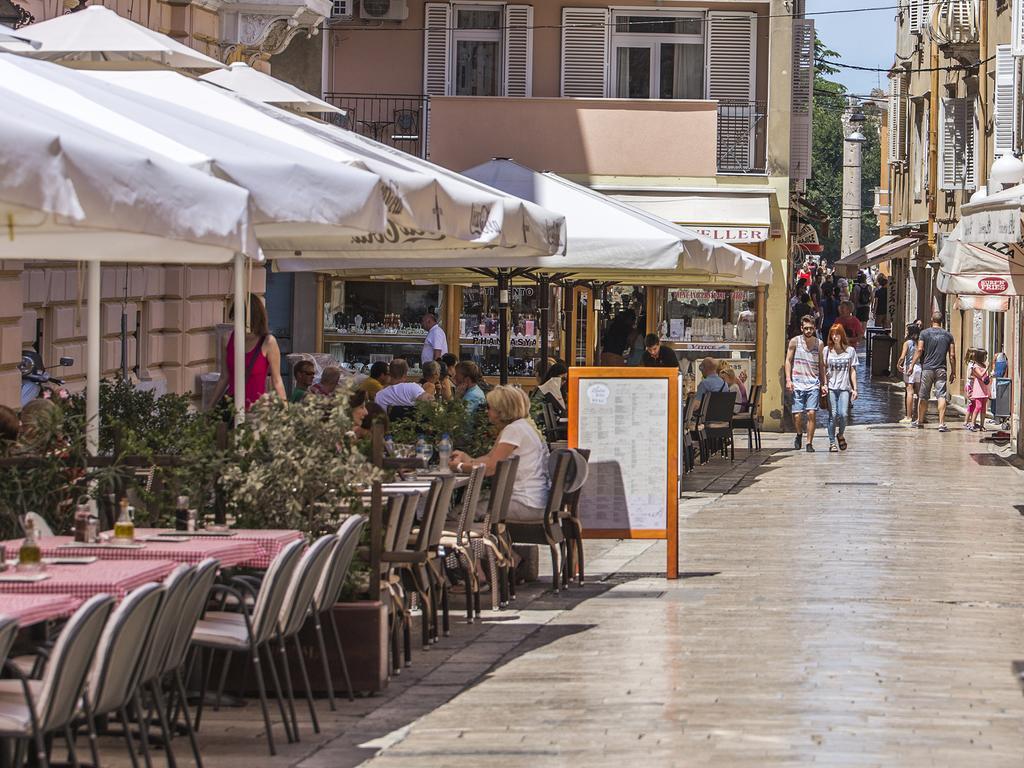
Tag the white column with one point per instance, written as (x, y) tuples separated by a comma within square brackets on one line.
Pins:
[(239, 350), (851, 193), (92, 357)]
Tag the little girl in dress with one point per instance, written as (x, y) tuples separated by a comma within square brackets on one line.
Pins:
[(978, 389)]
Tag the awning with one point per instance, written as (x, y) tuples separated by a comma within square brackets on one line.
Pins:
[(971, 269), (993, 219), (729, 216), (883, 249)]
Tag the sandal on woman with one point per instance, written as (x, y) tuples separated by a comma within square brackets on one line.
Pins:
[(833, 448), (842, 442)]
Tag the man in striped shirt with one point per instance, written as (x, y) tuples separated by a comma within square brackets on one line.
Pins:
[(805, 370)]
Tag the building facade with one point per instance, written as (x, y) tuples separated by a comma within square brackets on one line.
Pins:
[(698, 112)]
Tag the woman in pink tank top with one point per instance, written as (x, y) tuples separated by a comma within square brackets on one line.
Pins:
[(262, 357)]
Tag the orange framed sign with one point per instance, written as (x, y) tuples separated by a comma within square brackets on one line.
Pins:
[(628, 418)]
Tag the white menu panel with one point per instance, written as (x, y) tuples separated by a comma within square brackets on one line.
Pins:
[(624, 423)]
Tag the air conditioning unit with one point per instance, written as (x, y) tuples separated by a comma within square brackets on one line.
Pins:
[(341, 10), (384, 10)]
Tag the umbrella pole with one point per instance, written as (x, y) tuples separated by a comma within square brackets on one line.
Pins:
[(503, 327), (544, 285), (92, 357), (238, 349)]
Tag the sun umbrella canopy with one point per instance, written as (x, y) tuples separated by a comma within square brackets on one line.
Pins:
[(70, 192), (972, 269), (258, 86), (8, 35), (98, 37)]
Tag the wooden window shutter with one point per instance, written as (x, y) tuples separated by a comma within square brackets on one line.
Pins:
[(1004, 114), (437, 40), (802, 100), (518, 50), (1017, 37), (916, 14), (585, 52), (957, 144), (731, 46), (898, 108)]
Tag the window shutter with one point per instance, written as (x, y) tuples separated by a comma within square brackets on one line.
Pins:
[(1004, 117), (802, 100), (1018, 28), (957, 144), (437, 40), (518, 47), (731, 48), (585, 52), (916, 11), (898, 105)]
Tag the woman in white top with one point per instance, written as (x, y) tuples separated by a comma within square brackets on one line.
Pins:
[(841, 385), (509, 409)]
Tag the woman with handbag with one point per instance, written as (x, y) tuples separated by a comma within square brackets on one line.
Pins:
[(262, 357)]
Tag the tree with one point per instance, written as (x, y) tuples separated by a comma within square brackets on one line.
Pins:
[(825, 187)]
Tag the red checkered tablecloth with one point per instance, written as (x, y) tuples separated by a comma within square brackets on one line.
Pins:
[(270, 542), (31, 609), (229, 551), (113, 577)]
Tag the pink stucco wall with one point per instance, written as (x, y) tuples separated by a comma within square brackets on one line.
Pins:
[(580, 136)]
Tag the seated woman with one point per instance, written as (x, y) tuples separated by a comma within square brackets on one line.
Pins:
[(364, 413), (728, 374), (551, 384), (508, 408)]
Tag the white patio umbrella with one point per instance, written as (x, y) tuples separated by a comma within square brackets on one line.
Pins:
[(429, 209), (979, 271), (258, 86), (71, 192), (8, 35), (98, 37)]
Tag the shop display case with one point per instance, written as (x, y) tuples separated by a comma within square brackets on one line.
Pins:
[(478, 329), (367, 321)]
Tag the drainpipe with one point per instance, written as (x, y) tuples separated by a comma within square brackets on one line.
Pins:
[(924, 309), (983, 88)]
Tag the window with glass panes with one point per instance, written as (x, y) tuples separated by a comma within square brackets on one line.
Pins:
[(476, 48), (658, 55)]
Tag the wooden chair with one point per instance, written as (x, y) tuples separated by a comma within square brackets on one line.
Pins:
[(750, 419)]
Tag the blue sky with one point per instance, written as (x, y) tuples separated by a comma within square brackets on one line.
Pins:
[(866, 39)]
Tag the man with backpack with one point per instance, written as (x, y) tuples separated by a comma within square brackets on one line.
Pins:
[(862, 296)]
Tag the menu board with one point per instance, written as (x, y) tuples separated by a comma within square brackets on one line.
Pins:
[(628, 418)]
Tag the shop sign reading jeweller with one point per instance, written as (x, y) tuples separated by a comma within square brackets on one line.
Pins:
[(735, 234)]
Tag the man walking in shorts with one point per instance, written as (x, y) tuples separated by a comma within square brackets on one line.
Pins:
[(805, 370), (933, 346)]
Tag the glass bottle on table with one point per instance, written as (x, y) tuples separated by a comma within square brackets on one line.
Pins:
[(124, 528), (444, 453), (30, 557)]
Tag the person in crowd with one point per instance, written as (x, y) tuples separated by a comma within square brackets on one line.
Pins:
[(328, 383), (657, 355), (376, 381), (430, 379), (880, 308), (635, 358), (911, 373), (710, 380), (814, 289), (552, 382), (829, 306), (798, 291), (728, 374), (800, 310), (448, 362), (467, 385), (262, 357), (843, 287), (853, 327), (840, 386), (934, 345), (436, 343), (10, 425), (862, 296), (978, 388), (804, 375), (401, 392), (616, 338), (741, 377), (357, 408), (303, 373), (508, 409)]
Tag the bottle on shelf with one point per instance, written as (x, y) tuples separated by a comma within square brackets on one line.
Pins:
[(444, 452), (124, 528), (30, 557)]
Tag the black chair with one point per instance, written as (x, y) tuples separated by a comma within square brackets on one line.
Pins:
[(554, 430), (407, 125), (750, 419), (717, 423), (572, 526), (697, 428), (547, 530), (689, 416)]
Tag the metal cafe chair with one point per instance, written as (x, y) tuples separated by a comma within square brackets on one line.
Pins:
[(547, 529), (750, 418), (717, 422)]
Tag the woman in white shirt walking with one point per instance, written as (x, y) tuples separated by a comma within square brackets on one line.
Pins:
[(840, 386), (509, 408)]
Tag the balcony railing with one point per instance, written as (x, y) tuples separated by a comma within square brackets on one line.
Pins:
[(741, 136), (399, 121)]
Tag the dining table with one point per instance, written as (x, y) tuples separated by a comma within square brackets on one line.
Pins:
[(33, 609), (112, 577), (230, 552), (260, 545)]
